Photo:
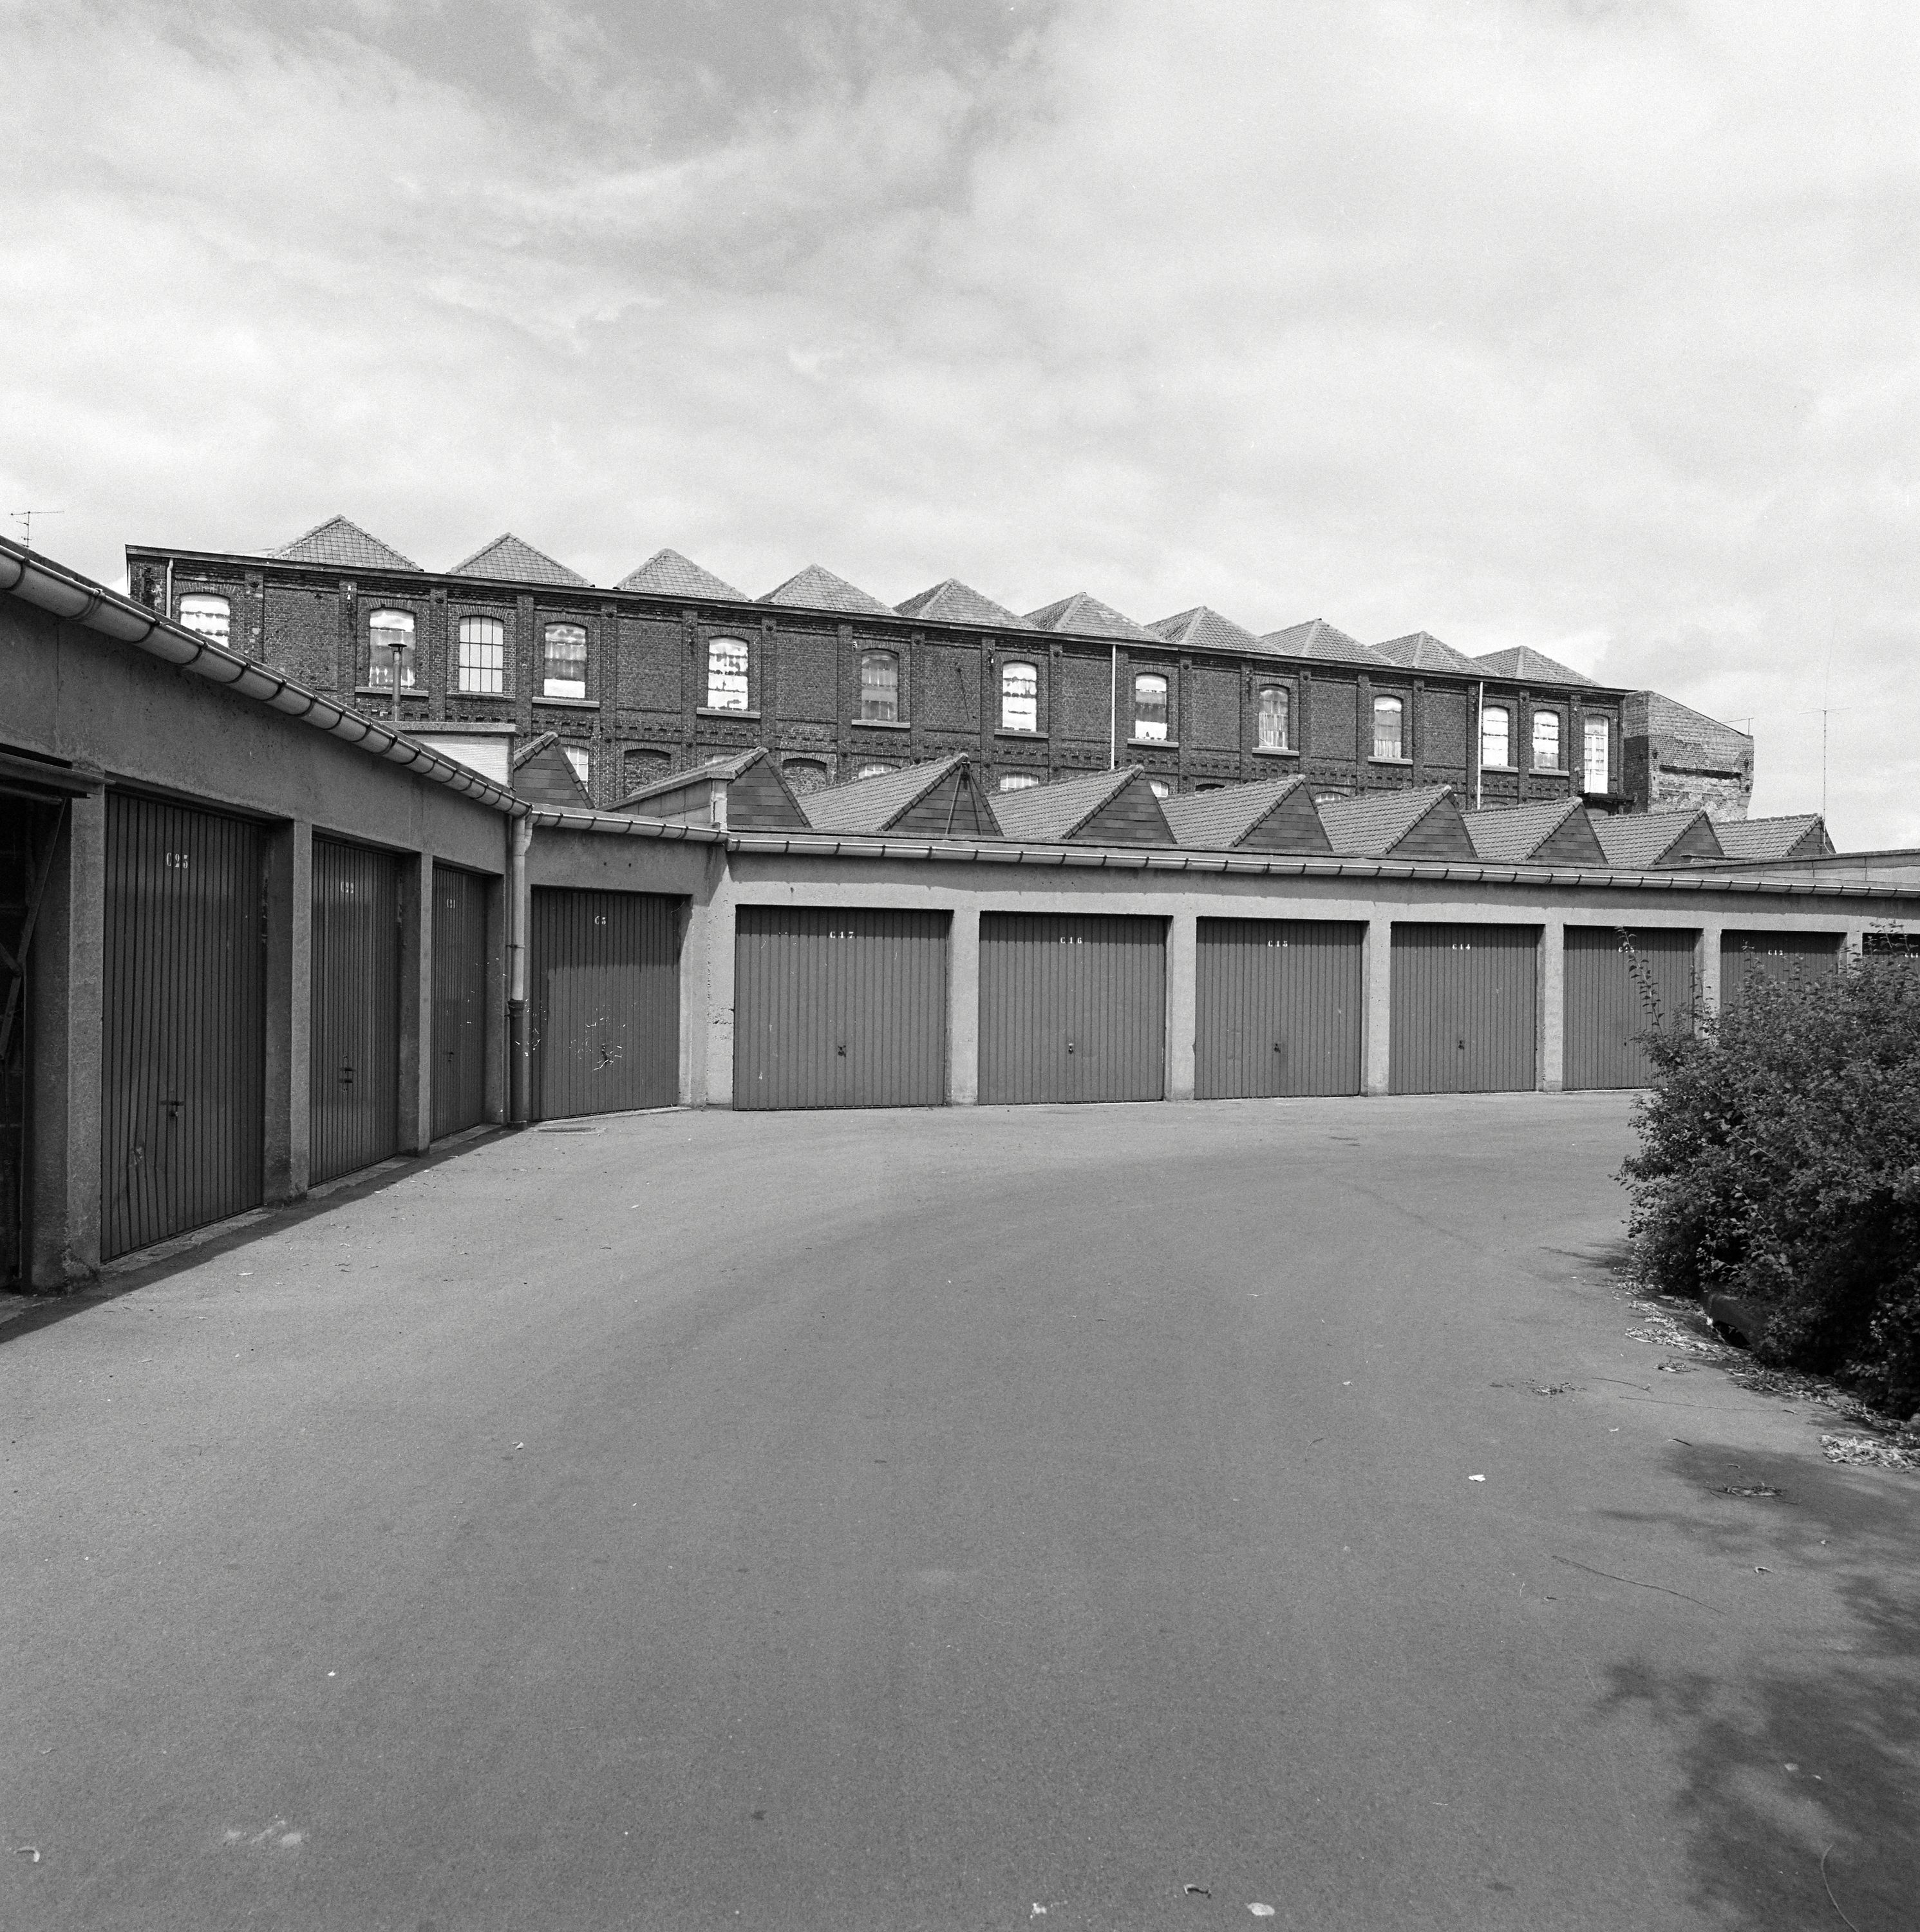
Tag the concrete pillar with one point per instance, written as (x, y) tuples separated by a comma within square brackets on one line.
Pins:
[(289, 1009), (1182, 976), (1854, 944), (416, 1068), (1376, 1026), (963, 1008), (719, 1015), (493, 1103), (1550, 1052), (1706, 967), (695, 954), (65, 986)]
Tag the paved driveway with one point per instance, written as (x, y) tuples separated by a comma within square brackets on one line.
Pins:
[(930, 1519)]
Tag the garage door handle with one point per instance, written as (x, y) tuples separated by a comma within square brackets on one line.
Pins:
[(841, 1051), (1277, 1047), (1070, 1046), (346, 1076), (1461, 1044)]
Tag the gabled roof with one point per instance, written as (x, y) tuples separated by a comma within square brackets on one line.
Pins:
[(951, 601), (726, 770), (1085, 616), (508, 560), (341, 541), (1317, 638), (1512, 835), (1804, 834), (1421, 650), (667, 573), (1370, 825), (1525, 665), (872, 805), (1069, 806), (1216, 821), (1645, 838), (1205, 628), (542, 775), (814, 588)]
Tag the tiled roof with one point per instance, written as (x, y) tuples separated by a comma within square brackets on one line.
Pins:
[(1508, 835), (814, 588), (1058, 810), (1085, 616), (542, 775), (1421, 650), (1639, 837), (1216, 821), (953, 602), (339, 541), (1768, 838), (668, 573), (533, 748), (508, 560), (726, 768), (1206, 628), (871, 804), (1317, 638), (1525, 665), (1373, 824)]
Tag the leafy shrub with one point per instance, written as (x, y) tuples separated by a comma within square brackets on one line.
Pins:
[(1780, 1162)]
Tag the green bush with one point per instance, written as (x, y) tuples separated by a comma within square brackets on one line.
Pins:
[(1780, 1162)]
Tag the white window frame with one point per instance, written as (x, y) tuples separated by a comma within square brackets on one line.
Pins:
[(874, 769), (882, 705), (728, 669), (1159, 788), (1599, 730), (1152, 731), (581, 760), (379, 672), (1505, 713), (207, 616), (1017, 781), (1556, 734), (1019, 708), (1263, 717), (480, 660), (1394, 708)]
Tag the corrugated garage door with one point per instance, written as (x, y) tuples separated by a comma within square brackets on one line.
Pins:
[(459, 1000), (1606, 1014), (1745, 956), (183, 1046), (1072, 1007), (605, 1000), (354, 1060), (1464, 1002), (838, 1008), (1276, 1010)]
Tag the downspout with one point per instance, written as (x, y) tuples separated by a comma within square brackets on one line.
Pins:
[(518, 1069), (1113, 705), (1479, 738)]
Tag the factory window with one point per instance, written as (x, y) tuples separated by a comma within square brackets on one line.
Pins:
[(580, 759), (1547, 741), (212, 616), (1150, 706), (390, 633), (1388, 740), (566, 672), (873, 771), (1018, 781), (1019, 697), (880, 687), (726, 674), (1160, 788), (1598, 761), (1272, 718), (482, 662), (1496, 736)]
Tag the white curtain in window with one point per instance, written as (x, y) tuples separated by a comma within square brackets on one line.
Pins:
[(1496, 736), (1150, 707), (1387, 716), (880, 687), (726, 674), (1272, 718), (212, 616), (1019, 697)]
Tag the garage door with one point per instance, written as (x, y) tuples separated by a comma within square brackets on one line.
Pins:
[(1607, 1014), (1072, 1007), (838, 1008), (1746, 956), (183, 1045), (354, 1059), (1277, 1005), (605, 1000), (459, 1000), (1464, 1001)]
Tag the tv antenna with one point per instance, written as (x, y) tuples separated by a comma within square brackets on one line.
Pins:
[(25, 519)]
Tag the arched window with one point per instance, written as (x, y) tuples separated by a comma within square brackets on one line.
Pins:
[(726, 674), (1496, 746), (1273, 719), (1597, 778), (1017, 782), (1150, 707), (1547, 741), (390, 636), (1160, 788), (212, 616), (880, 687), (1388, 716), (805, 775), (1020, 697), (564, 671), (481, 664), (874, 771)]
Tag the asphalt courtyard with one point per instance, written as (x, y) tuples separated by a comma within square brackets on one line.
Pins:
[(1122, 1517)]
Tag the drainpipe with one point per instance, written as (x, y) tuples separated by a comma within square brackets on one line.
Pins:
[(518, 1069), (1479, 741), (1113, 705)]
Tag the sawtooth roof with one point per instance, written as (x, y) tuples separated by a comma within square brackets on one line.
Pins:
[(542, 775), (668, 573), (1525, 665), (1216, 821), (950, 601), (1204, 627), (508, 559), (1770, 838), (341, 541), (1641, 838), (1317, 638), (1059, 810), (1373, 824), (1421, 650), (1511, 834), (1085, 616), (814, 588), (872, 805)]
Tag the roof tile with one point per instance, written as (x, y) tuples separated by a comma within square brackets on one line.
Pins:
[(1370, 825), (339, 541), (507, 560), (1057, 811), (1421, 650), (1770, 838), (1640, 839), (1316, 639), (872, 805), (951, 601), (1511, 834), (1525, 665), (1216, 821), (1085, 616), (1206, 629), (814, 588), (667, 573)]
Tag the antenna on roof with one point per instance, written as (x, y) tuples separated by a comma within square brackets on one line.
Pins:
[(25, 519)]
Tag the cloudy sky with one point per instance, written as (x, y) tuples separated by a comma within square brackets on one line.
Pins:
[(1582, 325)]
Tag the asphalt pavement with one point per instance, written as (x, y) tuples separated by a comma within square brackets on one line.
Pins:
[(1056, 1517)]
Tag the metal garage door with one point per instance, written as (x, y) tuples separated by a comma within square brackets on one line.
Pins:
[(1464, 1002), (1277, 1008), (183, 1045), (605, 995), (1746, 956), (1606, 1014), (838, 1008), (459, 1000), (1072, 1007), (354, 1057)]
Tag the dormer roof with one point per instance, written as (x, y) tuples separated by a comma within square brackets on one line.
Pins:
[(887, 802), (1554, 830), (1422, 822), (1115, 808), (1268, 814), (1643, 839)]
